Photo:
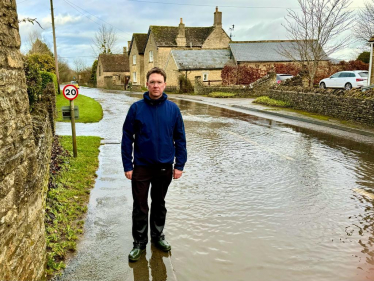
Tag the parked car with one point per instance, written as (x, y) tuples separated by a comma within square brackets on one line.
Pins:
[(346, 80), (281, 77), (75, 83)]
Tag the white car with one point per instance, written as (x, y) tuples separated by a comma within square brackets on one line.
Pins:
[(346, 80)]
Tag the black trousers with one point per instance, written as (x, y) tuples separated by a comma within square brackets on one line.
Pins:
[(159, 178)]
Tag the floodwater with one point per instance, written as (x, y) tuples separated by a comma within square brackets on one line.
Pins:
[(259, 200)]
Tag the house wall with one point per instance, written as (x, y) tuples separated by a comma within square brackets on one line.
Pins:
[(138, 67), (218, 39), (158, 57), (99, 75)]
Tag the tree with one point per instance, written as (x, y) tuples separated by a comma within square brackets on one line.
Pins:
[(39, 47), (44, 61), (66, 74), (364, 26), (104, 41), (364, 57), (93, 71), (317, 32)]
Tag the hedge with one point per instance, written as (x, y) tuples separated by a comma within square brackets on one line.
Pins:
[(48, 77)]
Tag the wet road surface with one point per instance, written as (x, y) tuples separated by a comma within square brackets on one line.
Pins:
[(259, 200)]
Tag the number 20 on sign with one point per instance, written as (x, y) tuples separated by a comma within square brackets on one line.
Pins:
[(70, 92)]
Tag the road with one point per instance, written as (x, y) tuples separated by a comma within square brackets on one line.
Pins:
[(261, 199)]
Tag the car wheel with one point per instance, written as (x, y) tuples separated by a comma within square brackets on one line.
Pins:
[(322, 85), (348, 86)]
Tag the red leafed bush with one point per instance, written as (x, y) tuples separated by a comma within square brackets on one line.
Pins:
[(241, 74), (287, 68)]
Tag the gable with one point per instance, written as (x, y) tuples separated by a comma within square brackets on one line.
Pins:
[(140, 40)]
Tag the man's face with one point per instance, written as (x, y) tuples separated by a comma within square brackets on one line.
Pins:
[(156, 85)]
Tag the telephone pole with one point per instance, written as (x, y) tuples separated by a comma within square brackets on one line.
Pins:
[(55, 47)]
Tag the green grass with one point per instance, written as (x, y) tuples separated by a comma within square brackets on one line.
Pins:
[(67, 201), (90, 111), (271, 102), (221, 95)]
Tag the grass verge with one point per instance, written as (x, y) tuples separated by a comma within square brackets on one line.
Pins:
[(68, 193), (221, 95), (271, 102), (90, 111)]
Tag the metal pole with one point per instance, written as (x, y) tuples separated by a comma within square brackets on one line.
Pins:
[(72, 115), (370, 63), (55, 47)]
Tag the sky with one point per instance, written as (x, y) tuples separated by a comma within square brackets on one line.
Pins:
[(76, 22)]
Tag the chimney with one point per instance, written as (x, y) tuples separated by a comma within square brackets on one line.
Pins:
[(217, 18), (181, 37), (124, 50), (128, 45)]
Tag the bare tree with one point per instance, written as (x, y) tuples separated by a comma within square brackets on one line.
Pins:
[(104, 41), (317, 32), (79, 67), (364, 25)]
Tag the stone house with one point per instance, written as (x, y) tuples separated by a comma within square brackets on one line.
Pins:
[(206, 64), (136, 58), (260, 54), (161, 40), (113, 71)]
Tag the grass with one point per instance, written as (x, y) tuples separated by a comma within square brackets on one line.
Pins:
[(271, 102), (221, 95), (67, 200), (90, 111)]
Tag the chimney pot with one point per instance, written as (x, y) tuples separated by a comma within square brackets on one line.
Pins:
[(181, 20)]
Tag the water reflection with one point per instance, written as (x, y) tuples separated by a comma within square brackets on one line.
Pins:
[(156, 265)]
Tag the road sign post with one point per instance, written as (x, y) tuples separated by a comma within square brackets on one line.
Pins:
[(70, 92)]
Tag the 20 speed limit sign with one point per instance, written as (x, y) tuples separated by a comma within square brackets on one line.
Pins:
[(70, 92)]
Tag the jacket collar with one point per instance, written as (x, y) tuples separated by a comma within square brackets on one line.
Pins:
[(150, 101)]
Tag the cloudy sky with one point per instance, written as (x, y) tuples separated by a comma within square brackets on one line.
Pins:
[(77, 21)]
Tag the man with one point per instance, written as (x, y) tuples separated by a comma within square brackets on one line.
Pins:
[(155, 126)]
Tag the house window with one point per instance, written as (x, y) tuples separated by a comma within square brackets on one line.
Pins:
[(150, 56), (205, 76), (99, 70), (134, 77), (134, 59)]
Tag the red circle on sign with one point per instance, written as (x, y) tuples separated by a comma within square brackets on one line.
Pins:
[(70, 92)]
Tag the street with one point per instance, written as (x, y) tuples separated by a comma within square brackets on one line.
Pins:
[(259, 200)]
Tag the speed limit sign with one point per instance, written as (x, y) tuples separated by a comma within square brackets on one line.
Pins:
[(70, 92)]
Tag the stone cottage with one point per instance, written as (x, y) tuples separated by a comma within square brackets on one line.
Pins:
[(113, 71), (161, 40), (260, 54), (206, 64), (136, 58)]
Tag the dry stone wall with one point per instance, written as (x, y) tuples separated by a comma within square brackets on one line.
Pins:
[(25, 149)]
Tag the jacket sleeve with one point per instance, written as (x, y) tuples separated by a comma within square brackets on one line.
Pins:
[(179, 136), (128, 140)]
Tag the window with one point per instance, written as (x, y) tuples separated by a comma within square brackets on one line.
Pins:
[(99, 70), (336, 75), (205, 76), (364, 74), (150, 56), (134, 77), (134, 59)]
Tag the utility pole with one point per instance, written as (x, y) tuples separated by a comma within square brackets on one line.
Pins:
[(55, 47)]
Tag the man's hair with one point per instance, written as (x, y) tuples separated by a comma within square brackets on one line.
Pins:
[(156, 70)]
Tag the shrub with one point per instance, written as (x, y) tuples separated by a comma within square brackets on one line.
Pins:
[(33, 81), (242, 74), (48, 77), (221, 95), (44, 61), (185, 85)]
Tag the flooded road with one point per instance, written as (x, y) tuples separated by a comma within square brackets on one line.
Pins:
[(259, 200)]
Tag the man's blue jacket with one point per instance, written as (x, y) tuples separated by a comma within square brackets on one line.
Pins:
[(156, 129)]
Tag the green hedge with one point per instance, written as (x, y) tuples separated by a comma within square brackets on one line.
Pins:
[(48, 77)]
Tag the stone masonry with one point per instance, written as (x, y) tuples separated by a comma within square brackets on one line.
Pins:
[(25, 149)]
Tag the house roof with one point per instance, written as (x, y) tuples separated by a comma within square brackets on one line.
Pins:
[(114, 62), (264, 51), (141, 41), (165, 35), (200, 59)]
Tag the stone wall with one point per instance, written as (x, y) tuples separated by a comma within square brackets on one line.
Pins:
[(25, 148)]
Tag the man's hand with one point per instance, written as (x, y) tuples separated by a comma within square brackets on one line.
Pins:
[(177, 174), (128, 175)]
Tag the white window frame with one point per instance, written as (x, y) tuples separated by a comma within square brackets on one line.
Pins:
[(134, 77), (150, 56), (207, 76), (134, 59)]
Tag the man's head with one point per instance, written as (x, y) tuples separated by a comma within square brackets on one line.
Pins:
[(156, 82)]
